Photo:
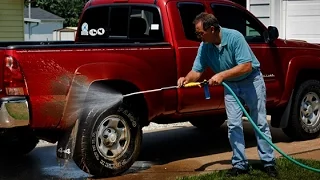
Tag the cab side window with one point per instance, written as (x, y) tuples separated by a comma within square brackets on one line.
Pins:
[(188, 11), (233, 18)]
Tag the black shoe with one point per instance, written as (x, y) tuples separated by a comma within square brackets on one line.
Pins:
[(236, 171), (271, 171)]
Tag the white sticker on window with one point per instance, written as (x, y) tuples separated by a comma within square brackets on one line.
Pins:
[(93, 32), (84, 29), (101, 31), (154, 26)]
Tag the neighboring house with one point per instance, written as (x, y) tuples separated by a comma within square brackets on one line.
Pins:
[(11, 20), (41, 24), (65, 34), (295, 19)]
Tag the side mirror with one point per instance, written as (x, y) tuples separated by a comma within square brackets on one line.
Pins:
[(271, 35)]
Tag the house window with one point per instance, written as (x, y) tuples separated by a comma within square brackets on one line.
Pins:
[(233, 18), (188, 12), (121, 24)]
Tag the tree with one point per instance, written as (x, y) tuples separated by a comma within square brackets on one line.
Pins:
[(70, 10)]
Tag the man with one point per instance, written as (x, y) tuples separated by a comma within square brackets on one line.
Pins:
[(227, 53)]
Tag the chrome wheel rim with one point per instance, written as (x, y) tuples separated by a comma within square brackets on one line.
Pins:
[(309, 109), (113, 137)]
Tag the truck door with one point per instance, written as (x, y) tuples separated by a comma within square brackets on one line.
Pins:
[(181, 16), (233, 17)]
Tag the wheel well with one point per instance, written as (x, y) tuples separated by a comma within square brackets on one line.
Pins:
[(125, 87), (283, 112), (306, 74)]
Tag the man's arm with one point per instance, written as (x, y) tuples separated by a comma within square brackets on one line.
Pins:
[(193, 76), (231, 73), (237, 71)]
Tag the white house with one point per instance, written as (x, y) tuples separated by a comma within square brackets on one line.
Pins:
[(295, 19), (40, 24)]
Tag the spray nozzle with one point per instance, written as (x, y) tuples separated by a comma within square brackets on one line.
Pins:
[(204, 84)]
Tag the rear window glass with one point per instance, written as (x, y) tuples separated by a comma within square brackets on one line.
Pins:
[(121, 24)]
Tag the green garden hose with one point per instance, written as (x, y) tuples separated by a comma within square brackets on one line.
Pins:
[(264, 137)]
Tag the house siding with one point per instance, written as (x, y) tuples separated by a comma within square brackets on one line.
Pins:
[(262, 10), (11, 20), (302, 20)]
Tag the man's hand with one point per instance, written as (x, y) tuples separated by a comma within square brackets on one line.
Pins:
[(216, 79), (182, 81), (192, 76)]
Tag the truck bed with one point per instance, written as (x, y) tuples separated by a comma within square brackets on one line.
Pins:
[(72, 44)]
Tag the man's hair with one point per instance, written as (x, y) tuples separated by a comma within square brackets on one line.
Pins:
[(207, 20)]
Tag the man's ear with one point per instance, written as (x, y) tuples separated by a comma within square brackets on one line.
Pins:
[(212, 29)]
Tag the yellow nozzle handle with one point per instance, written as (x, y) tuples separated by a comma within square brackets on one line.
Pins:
[(192, 84)]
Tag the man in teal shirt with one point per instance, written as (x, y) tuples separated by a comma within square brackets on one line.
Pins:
[(230, 57)]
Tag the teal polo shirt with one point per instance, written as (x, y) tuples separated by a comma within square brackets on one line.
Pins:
[(234, 50)]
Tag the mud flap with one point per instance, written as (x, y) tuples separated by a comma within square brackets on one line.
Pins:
[(286, 114), (67, 142)]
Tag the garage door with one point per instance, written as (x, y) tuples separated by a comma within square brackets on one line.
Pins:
[(302, 20)]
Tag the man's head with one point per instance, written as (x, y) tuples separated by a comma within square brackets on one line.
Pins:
[(207, 27)]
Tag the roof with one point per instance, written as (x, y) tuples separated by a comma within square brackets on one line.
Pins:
[(38, 13), (67, 29)]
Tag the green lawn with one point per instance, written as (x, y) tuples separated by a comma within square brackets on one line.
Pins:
[(287, 171)]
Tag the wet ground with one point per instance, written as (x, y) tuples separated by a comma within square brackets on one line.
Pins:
[(166, 154)]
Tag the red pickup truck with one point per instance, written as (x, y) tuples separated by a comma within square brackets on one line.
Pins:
[(60, 91)]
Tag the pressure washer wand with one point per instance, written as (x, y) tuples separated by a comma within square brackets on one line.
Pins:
[(191, 84), (152, 90)]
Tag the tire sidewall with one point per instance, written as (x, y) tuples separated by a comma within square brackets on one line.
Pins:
[(118, 164), (305, 88)]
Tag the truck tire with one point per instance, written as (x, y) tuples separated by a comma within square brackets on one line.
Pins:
[(109, 140), (304, 122), (17, 141), (208, 123)]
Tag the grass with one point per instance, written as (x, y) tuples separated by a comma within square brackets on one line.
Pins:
[(287, 171)]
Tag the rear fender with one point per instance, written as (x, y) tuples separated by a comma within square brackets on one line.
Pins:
[(84, 77), (143, 79), (295, 66)]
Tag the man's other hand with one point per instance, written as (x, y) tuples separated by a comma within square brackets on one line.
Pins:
[(216, 79)]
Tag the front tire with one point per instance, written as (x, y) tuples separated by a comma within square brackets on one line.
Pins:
[(304, 122), (108, 141)]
